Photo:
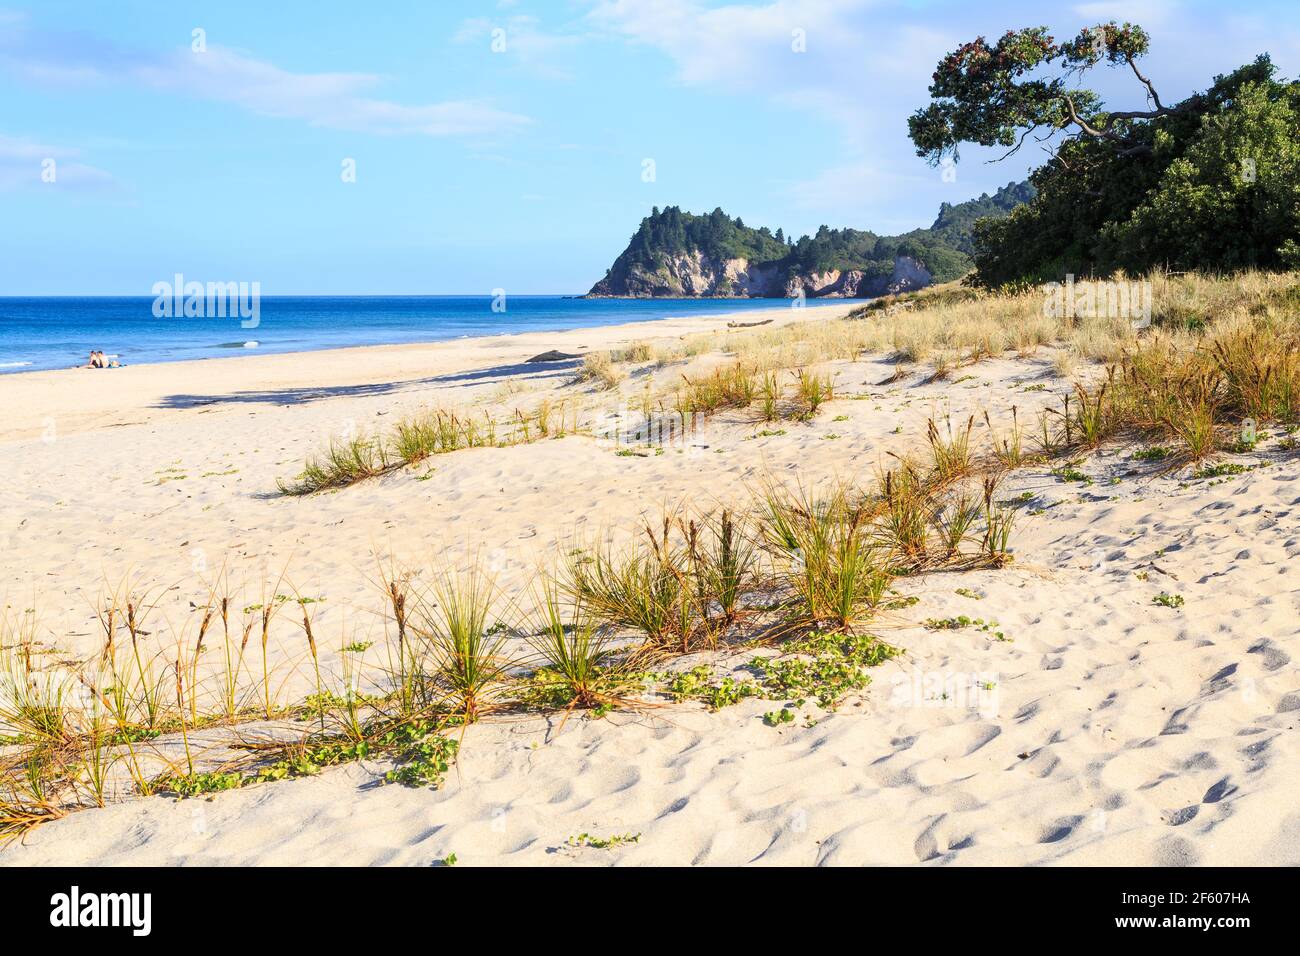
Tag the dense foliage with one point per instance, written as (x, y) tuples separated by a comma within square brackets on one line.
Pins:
[(955, 225), (717, 234), (1210, 183)]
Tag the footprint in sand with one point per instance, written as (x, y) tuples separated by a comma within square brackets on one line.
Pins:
[(1175, 851), (1272, 656), (1059, 829)]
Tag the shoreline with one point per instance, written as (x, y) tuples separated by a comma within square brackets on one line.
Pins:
[(238, 346), (70, 400)]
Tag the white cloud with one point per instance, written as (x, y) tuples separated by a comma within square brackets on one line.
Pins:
[(525, 42), (859, 77), (741, 46), (23, 161), (333, 100)]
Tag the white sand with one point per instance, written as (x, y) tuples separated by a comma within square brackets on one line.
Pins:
[(1113, 731)]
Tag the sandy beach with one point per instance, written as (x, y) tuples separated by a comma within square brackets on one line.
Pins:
[(1109, 730)]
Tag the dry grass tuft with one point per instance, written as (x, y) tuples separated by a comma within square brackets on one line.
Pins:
[(422, 435), (599, 369)]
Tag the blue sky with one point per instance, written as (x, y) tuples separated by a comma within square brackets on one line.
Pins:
[(520, 169)]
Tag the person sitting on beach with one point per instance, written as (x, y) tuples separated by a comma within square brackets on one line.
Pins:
[(99, 360)]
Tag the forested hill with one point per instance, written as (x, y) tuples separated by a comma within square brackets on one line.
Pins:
[(955, 225), (676, 253)]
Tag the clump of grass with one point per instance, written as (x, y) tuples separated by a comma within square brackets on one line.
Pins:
[(950, 451), (1185, 390), (770, 396), (420, 436), (954, 522), (1065, 362), (34, 701), (682, 584), (813, 390), (345, 462), (579, 665), (944, 365), (834, 571), (437, 432), (599, 369), (644, 587), (1008, 448), (1093, 418), (723, 564), (901, 371), (637, 352), (1195, 425), (732, 387), (907, 508), (23, 807), (471, 662), (999, 522), (1261, 369)]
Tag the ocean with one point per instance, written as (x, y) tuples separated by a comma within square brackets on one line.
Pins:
[(58, 332)]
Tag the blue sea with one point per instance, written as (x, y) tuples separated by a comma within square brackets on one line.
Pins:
[(58, 332)]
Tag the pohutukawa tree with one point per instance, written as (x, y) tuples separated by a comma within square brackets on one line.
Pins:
[(1001, 94), (1208, 183)]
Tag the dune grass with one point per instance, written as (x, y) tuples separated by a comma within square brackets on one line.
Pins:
[(832, 564), (422, 435), (1218, 351), (467, 658), (1191, 389), (579, 665), (958, 326), (600, 369)]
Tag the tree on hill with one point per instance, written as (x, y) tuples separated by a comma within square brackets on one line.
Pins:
[(955, 224)]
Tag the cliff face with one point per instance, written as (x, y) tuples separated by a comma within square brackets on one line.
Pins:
[(906, 275), (695, 274), (691, 273)]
